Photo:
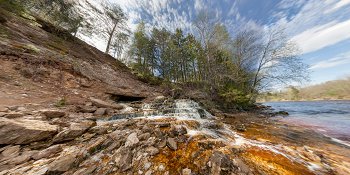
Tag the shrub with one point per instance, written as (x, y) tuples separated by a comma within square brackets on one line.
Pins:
[(61, 103), (235, 97)]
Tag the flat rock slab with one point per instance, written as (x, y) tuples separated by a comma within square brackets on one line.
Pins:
[(13, 115), (75, 130), (103, 104), (24, 131), (53, 113)]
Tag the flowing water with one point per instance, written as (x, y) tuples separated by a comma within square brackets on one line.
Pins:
[(207, 125), (331, 118)]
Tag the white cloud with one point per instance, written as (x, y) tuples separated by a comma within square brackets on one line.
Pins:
[(312, 29), (198, 5), (322, 36), (340, 59), (338, 5)]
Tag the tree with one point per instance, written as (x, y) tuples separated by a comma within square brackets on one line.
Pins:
[(139, 49), (61, 13), (114, 20), (119, 43), (278, 62), (205, 24)]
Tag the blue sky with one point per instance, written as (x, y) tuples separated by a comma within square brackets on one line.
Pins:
[(321, 28)]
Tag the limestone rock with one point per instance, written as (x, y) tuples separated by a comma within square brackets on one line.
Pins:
[(19, 159), (161, 167), (186, 171), (13, 115), (100, 129), (3, 109), (95, 145), (23, 131), (100, 111), (144, 136), (9, 152), (87, 109), (152, 150), (149, 172), (123, 158), (65, 161), (132, 140), (102, 104), (220, 162), (147, 165), (47, 152), (50, 114), (75, 130), (171, 143)]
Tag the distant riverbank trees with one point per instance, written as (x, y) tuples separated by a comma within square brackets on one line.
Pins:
[(235, 67)]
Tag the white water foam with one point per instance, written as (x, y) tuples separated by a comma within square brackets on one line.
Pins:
[(191, 111)]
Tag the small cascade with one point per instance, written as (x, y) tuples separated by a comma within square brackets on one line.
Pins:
[(186, 111), (180, 109)]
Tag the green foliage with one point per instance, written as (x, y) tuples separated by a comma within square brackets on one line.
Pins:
[(235, 97), (331, 90), (61, 103), (12, 6)]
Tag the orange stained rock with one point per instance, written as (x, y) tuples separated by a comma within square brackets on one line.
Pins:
[(186, 156), (274, 164)]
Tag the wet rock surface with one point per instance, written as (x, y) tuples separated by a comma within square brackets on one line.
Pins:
[(181, 141)]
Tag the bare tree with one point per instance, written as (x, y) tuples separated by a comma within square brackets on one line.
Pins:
[(205, 24), (278, 62), (119, 43)]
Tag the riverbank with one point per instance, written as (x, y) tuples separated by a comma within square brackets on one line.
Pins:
[(302, 100), (67, 108), (162, 136)]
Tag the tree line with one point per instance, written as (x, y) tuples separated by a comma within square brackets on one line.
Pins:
[(234, 67)]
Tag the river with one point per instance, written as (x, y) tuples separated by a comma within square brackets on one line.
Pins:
[(331, 118)]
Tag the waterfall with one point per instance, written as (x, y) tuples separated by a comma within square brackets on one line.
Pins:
[(186, 110)]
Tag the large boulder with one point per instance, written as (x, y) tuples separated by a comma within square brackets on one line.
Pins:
[(53, 113), (103, 104), (73, 131), (24, 131)]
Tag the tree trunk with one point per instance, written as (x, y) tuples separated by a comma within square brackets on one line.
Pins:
[(110, 38)]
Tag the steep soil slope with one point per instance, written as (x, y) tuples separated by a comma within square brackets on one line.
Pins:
[(42, 64)]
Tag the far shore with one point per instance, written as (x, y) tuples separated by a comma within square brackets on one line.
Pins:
[(263, 101)]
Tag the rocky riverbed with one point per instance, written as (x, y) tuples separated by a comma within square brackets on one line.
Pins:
[(164, 136)]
